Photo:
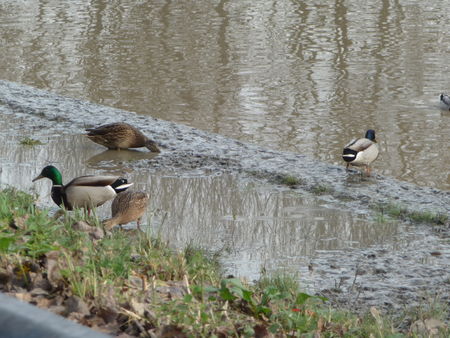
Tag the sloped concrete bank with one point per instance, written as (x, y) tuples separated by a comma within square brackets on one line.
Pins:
[(186, 149), (19, 319)]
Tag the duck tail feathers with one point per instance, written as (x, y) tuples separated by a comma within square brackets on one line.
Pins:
[(122, 187), (349, 155)]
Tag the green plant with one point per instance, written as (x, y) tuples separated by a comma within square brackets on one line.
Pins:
[(321, 189), (289, 180), (27, 141), (399, 212)]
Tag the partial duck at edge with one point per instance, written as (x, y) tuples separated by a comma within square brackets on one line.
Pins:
[(444, 101)]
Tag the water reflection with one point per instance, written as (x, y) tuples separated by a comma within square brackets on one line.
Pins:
[(292, 75), (113, 159), (251, 225)]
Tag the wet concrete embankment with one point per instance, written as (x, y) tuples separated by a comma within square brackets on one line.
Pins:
[(186, 149)]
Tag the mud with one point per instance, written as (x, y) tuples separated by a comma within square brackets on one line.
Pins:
[(186, 149), (390, 276)]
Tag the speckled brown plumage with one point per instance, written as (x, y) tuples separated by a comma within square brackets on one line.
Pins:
[(120, 135), (127, 207)]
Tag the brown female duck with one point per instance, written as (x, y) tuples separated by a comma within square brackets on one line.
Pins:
[(127, 207), (120, 135)]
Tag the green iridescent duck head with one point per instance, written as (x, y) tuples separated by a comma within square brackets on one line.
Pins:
[(51, 173)]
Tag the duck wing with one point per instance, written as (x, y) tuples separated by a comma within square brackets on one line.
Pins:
[(88, 196), (132, 203), (102, 130), (92, 191), (93, 181), (359, 144)]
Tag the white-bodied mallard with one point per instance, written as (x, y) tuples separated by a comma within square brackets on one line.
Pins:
[(83, 192), (128, 206), (120, 135), (362, 152)]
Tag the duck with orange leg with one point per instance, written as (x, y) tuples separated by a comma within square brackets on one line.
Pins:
[(86, 192), (362, 152)]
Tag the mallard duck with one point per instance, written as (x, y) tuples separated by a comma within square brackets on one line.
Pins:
[(444, 101), (83, 192), (128, 206), (120, 135), (362, 151)]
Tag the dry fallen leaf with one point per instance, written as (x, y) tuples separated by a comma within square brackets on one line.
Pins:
[(57, 309), (261, 331), (75, 304), (82, 226), (42, 302), (5, 276), (53, 268), (137, 307), (19, 222), (23, 296), (40, 282), (320, 325), (96, 233), (170, 331), (108, 314)]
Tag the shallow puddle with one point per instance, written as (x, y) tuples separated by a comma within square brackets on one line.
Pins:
[(215, 210), (254, 226)]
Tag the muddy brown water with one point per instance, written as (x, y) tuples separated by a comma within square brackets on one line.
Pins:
[(294, 76), (287, 76)]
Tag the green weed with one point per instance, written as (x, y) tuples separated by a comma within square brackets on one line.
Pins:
[(290, 181), (397, 211), (27, 141), (321, 189)]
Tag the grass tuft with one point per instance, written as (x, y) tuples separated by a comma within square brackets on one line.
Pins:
[(27, 141), (321, 189), (397, 211), (289, 180)]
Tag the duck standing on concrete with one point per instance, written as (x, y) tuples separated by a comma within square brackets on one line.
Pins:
[(83, 192), (120, 135), (362, 152), (128, 206)]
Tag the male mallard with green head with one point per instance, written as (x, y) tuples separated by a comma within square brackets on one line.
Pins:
[(120, 135), (362, 152), (128, 206), (83, 192)]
